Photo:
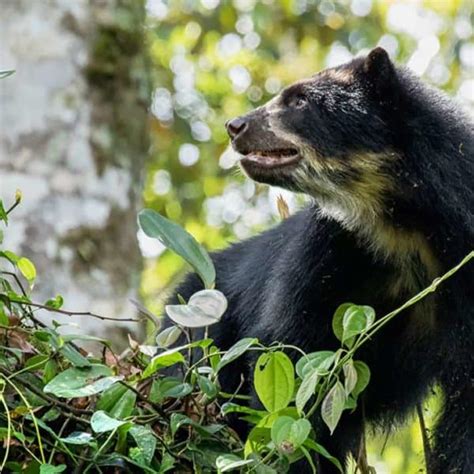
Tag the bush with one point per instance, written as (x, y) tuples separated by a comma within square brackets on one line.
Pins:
[(67, 410)]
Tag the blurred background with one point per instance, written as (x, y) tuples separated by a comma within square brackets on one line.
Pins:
[(120, 104)]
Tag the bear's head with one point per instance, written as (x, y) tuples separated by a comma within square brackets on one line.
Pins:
[(329, 136)]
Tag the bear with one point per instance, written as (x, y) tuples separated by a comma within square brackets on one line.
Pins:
[(387, 162)]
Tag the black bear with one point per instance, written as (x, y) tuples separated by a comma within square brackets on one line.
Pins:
[(388, 163)]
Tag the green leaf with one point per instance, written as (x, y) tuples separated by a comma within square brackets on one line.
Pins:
[(55, 303), (101, 422), (146, 441), (4, 321), (50, 370), (236, 351), (289, 434), (321, 361), (274, 380), (333, 405), (37, 361), (27, 268), (117, 401), (363, 377), (311, 444), (356, 320), (351, 404), (43, 336), (207, 387), (74, 356), (306, 390), (180, 241), (165, 359), (257, 439), (350, 377), (214, 358), (337, 327), (178, 419), (168, 336), (178, 391), (50, 469), (81, 382), (230, 407), (78, 438), (10, 256), (229, 462), (168, 387), (3, 212)]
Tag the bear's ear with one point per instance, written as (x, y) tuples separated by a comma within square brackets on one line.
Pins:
[(378, 64), (379, 72)]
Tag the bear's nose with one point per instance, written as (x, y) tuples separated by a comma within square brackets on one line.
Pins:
[(235, 126)]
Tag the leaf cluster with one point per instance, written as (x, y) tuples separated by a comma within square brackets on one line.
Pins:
[(159, 406)]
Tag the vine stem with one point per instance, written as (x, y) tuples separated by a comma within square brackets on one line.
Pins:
[(415, 299), (9, 430), (33, 418), (382, 322)]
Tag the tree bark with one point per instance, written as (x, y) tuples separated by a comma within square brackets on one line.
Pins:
[(73, 139)]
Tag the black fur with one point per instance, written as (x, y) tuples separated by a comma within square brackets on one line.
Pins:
[(285, 284)]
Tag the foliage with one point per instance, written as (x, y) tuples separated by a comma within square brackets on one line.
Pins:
[(68, 410)]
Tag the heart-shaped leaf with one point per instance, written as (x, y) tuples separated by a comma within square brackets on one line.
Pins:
[(101, 422), (321, 360), (289, 434), (356, 320), (333, 405), (146, 442), (337, 319), (274, 380), (204, 308), (81, 382)]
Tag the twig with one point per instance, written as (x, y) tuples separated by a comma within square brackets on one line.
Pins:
[(424, 437), (144, 399), (74, 313)]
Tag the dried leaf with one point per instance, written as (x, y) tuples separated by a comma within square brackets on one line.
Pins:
[(283, 208)]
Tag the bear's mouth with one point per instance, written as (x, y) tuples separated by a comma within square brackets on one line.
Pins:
[(271, 159)]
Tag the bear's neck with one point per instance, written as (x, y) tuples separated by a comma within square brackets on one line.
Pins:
[(407, 250)]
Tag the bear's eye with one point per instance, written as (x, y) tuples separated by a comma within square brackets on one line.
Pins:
[(299, 101)]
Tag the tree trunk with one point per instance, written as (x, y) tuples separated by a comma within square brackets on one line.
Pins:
[(73, 139)]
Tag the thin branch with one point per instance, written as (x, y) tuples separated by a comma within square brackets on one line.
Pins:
[(74, 313), (424, 437), (144, 399)]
